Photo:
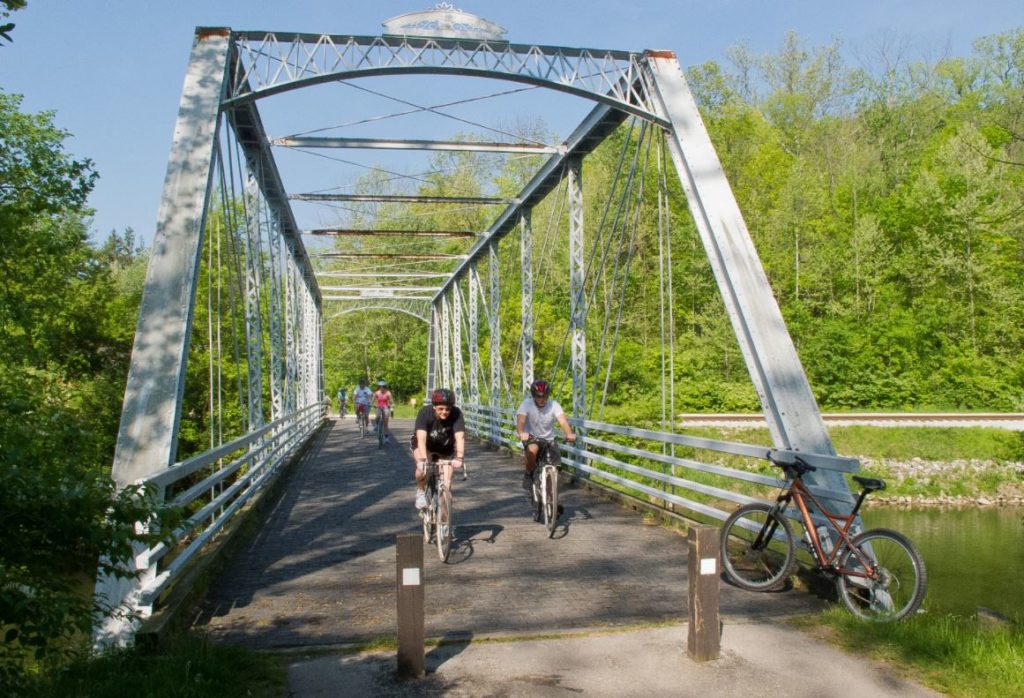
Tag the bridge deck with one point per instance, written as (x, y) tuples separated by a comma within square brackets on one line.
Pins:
[(321, 570)]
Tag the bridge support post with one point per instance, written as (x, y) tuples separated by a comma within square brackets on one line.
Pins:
[(409, 548), (704, 637)]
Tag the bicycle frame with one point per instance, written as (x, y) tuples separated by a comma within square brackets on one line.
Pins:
[(538, 475), (443, 468), (545, 462), (798, 492), (438, 482)]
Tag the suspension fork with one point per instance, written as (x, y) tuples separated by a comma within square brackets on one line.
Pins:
[(767, 531)]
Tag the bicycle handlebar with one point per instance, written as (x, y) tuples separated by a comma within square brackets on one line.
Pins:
[(790, 462), (441, 461), (542, 442)]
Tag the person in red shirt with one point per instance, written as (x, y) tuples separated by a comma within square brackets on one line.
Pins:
[(382, 401)]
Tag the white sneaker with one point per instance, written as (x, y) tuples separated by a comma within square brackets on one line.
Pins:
[(421, 500)]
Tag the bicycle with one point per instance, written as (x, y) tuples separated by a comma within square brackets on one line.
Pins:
[(437, 516), (879, 573), (362, 418), (341, 410), (380, 426), (544, 492)]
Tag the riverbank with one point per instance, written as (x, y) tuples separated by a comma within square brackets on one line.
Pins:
[(956, 483)]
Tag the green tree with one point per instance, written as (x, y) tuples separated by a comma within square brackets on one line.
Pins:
[(63, 359), (8, 7)]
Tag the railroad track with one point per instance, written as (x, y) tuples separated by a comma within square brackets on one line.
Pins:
[(1002, 420)]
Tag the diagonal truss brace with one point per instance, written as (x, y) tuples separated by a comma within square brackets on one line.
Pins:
[(790, 409)]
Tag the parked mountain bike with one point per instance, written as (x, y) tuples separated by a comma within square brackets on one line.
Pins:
[(879, 573), (544, 493), (438, 521)]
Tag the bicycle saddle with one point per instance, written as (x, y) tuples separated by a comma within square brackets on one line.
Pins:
[(870, 484)]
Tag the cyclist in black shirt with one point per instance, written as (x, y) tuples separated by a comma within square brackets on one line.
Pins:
[(440, 430)]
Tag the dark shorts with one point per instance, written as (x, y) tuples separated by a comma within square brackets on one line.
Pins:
[(553, 454)]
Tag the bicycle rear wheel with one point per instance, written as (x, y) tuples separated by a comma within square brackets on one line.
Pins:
[(445, 524), (758, 552), (550, 484), (894, 589)]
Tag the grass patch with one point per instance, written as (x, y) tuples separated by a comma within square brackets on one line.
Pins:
[(190, 666), (949, 653), (929, 443), (899, 443)]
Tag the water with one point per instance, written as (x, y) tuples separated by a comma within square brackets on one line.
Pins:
[(974, 557)]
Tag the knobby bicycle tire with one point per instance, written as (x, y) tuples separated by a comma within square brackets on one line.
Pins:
[(758, 551), (899, 586), (445, 524), (550, 499)]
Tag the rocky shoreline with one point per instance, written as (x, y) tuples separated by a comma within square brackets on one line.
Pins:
[(954, 501), (960, 483)]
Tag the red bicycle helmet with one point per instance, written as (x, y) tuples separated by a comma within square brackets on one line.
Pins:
[(442, 396), (540, 388)]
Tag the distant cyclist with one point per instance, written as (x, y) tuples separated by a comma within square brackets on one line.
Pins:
[(382, 401), (536, 416), (341, 402), (441, 431), (361, 398)]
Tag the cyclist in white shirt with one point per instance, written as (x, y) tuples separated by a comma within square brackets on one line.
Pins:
[(537, 416), (361, 398)]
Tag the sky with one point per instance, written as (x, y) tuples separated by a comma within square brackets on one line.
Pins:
[(112, 70)]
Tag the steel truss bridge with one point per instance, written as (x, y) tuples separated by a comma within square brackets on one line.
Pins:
[(235, 302)]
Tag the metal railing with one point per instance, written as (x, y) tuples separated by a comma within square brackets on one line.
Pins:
[(213, 486), (679, 475)]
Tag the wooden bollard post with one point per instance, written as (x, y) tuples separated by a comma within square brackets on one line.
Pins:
[(409, 548), (703, 643)]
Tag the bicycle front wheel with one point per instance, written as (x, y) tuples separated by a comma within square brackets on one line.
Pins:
[(550, 499), (428, 515), (758, 552), (887, 580), (428, 527), (444, 524), (536, 497)]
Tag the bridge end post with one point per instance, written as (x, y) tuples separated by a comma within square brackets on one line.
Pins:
[(409, 549), (704, 636)]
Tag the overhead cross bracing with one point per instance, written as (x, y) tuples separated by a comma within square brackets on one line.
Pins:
[(538, 269)]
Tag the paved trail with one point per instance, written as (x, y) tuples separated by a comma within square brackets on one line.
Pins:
[(321, 571)]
